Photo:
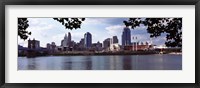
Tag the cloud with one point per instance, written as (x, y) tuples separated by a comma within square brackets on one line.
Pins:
[(159, 40), (38, 21), (96, 37), (94, 21), (41, 27), (141, 33), (76, 36), (47, 30), (104, 21), (33, 21), (142, 36), (40, 30), (115, 29), (57, 39), (22, 42), (141, 27)]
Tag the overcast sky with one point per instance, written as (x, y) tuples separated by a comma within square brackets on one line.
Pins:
[(47, 30)]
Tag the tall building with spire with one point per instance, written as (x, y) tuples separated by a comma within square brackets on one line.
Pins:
[(126, 36), (64, 41), (69, 39)]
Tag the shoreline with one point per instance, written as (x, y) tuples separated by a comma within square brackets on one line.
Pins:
[(102, 53)]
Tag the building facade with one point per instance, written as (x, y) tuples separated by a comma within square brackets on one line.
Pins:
[(87, 40), (138, 46), (106, 43), (69, 39), (97, 46), (114, 39), (126, 36), (33, 44), (64, 41)]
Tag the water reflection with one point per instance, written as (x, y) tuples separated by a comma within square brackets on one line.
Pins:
[(126, 62), (66, 64), (31, 64), (115, 63)]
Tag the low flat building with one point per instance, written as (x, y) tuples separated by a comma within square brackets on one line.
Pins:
[(136, 47)]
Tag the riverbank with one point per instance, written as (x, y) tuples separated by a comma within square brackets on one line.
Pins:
[(87, 53), (106, 53)]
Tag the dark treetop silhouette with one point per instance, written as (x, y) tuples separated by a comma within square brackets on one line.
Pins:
[(156, 26), (22, 26), (69, 23)]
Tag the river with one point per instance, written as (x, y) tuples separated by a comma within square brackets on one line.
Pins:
[(108, 62)]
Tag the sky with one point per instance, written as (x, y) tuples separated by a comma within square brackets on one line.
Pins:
[(48, 30)]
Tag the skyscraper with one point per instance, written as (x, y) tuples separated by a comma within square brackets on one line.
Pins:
[(82, 42), (126, 36), (106, 43), (33, 44), (69, 39), (48, 46), (64, 41), (87, 40), (114, 39)]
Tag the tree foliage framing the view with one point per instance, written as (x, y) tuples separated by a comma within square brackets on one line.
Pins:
[(22, 26), (172, 27), (69, 23)]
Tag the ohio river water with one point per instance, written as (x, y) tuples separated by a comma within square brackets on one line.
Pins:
[(109, 62)]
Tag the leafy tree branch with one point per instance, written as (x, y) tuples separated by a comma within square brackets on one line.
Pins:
[(172, 27), (69, 23)]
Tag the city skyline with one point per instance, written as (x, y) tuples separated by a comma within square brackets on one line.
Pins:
[(47, 30), (99, 44)]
